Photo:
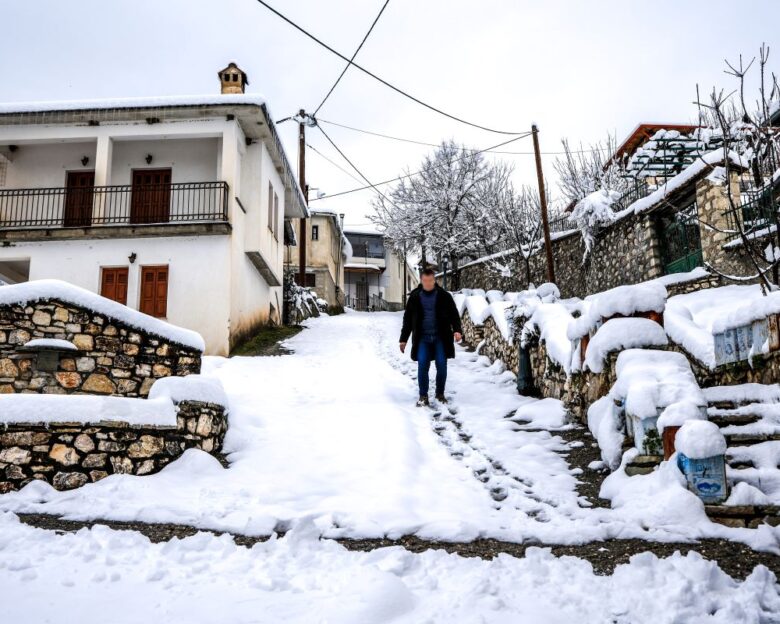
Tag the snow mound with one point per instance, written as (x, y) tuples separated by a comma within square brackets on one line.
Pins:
[(460, 302), (648, 380), (603, 423), (477, 307), (618, 334), (498, 311), (45, 289), (50, 343), (494, 295), (743, 393), (678, 413), (190, 388), (623, 301), (549, 321), (699, 439)]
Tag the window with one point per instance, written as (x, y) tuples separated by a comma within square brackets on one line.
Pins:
[(315, 232), (310, 282), (154, 291), (276, 217), (113, 284)]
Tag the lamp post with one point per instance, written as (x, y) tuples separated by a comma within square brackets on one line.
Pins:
[(445, 262)]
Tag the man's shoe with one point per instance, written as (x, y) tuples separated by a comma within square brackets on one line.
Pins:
[(423, 402), (442, 399)]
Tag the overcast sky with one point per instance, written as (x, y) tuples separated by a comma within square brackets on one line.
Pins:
[(578, 69)]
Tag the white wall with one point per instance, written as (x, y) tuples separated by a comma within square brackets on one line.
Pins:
[(198, 293), (43, 166), (192, 160)]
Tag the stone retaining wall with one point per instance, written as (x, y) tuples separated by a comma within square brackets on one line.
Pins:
[(496, 347), (69, 455), (112, 358), (472, 333)]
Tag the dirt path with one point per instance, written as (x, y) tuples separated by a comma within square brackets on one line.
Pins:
[(736, 560)]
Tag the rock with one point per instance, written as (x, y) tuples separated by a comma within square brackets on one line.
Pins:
[(84, 443), (110, 330), (134, 337), (204, 427), (19, 337), (99, 384), (68, 380), (94, 460), (16, 438), (146, 386), (146, 446), (65, 455), (130, 349), (8, 368), (7, 389), (41, 318), (14, 473), (69, 480), (85, 364), (161, 370), (68, 364), (61, 314), (84, 342), (97, 475), (15, 455), (122, 465), (126, 386), (110, 446), (145, 467)]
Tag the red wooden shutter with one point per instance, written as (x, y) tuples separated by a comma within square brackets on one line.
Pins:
[(113, 284), (154, 291)]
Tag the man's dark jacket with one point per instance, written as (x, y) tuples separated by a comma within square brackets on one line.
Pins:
[(447, 320)]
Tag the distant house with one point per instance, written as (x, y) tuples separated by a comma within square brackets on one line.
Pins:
[(174, 206), (376, 277), (327, 249)]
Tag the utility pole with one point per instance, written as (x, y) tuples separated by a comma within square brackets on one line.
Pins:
[(302, 180), (543, 205)]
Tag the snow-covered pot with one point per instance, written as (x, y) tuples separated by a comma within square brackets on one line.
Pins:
[(701, 450), (675, 416)]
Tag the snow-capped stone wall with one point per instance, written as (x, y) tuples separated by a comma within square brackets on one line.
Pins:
[(109, 356), (69, 455)]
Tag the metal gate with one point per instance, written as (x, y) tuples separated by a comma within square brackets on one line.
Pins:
[(680, 240)]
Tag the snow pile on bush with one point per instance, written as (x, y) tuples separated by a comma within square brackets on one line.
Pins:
[(47, 289), (692, 319), (494, 295), (549, 322), (460, 301), (594, 212), (623, 300), (500, 311), (618, 334), (605, 424), (699, 439), (85, 409)]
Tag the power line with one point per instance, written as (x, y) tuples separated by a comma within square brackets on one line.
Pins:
[(344, 71), (469, 149), (408, 175), (377, 78), (339, 167)]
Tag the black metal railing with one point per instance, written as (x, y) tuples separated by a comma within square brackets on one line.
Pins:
[(561, 223), (128, 204), (638, 189), (757, 211)]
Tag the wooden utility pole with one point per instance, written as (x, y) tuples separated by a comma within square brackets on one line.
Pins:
[(543, 205), (302, 180)]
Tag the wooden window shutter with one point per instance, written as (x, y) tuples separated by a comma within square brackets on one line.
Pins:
[(113, 284), (154, 291), (271, 207)]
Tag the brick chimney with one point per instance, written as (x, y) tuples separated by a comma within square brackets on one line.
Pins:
[(232, 79)]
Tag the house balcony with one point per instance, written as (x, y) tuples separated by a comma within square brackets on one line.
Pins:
[(160, 209)]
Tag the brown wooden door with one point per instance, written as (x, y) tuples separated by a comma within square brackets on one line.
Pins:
[(151, 196), (113, 284), (154, 291), (80, 189)]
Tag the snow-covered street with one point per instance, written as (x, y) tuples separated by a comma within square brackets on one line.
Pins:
[(327, 442)]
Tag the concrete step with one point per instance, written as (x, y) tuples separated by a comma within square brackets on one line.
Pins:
[(643, 464), (724, 420), (750, 516), (749, 439)]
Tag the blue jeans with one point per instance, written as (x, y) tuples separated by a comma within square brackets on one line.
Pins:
[(431, 348)]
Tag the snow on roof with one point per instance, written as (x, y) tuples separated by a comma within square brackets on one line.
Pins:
[(63, 291), (50, 343), (86, 408), (159, 101), (362, 229), (618, 334), (365, 266)]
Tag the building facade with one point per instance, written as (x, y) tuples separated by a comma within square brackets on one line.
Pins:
[(327, 249), (376, 277), (174, 206)]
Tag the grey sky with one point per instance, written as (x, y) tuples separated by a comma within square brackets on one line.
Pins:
[(578, 69)]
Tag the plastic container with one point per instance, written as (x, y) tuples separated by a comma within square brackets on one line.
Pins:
[(705, 477)]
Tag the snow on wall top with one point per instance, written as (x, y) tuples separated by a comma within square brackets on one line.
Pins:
[(86, 408), (50, 343), (38, 290), (131, 102), (477, 307), (190, 388)]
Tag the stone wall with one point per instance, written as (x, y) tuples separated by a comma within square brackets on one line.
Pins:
[(496, 347), (472, 333), (112, 358), (627, 252), (69, 455)]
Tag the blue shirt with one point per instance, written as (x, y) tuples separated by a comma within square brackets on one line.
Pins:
[(428, 301)]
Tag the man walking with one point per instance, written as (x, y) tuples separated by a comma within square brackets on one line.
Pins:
[(432, 319)]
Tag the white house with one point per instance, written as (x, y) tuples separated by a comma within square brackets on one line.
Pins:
[(374, 274), (175, 206)]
